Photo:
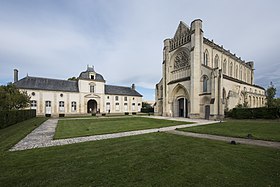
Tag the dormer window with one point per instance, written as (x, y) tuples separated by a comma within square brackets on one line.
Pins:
[(92, 77)]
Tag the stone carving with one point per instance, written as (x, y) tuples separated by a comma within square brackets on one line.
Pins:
[(181, 60)]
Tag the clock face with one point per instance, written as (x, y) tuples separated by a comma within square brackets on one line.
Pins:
[(181, 60)]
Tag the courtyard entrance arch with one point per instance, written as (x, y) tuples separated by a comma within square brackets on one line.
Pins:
[(91, 106)]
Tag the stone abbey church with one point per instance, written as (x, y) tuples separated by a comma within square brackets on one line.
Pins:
[(87, 94), (201, 79)]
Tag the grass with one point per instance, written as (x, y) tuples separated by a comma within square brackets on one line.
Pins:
[(260, 129), (86, 127), (11, 135), (156, 159)]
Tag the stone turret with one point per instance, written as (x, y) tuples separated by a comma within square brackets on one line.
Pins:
[(196, 59)]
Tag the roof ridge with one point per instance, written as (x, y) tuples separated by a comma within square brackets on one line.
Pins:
[(49, 78), (118, 86)]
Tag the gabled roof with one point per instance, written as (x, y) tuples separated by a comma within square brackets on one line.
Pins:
[(121, 90), (182, 29), (38, 83)]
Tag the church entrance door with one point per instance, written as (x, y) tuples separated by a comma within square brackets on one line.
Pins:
[(92, 106), (183, 107), (207, 112)]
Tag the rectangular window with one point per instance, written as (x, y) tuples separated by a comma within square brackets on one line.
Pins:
[(133, 106), (117, 98), (125, 107), (33, 104), (117, 106), (61, 106), (48, 103), (48, 107), (91, 89), (74, 106), (125, 98), (108, 107)]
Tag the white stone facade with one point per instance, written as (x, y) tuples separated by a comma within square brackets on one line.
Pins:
[(201, 79), (90, 95)]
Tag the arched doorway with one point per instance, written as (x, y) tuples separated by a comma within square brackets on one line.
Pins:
[(91, 106), (182, 107), (180, 102)]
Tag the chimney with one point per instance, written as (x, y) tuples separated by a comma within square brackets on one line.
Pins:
[(15, 75), (133, 86)]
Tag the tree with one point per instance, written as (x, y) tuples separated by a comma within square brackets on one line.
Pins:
[(11, 98), (270, 94), (146, 105), (72, 79)]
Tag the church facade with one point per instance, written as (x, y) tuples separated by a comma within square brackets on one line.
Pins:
[(201, 79), (87, 94)]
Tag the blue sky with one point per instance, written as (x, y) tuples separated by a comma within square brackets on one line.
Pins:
[(123, 39)]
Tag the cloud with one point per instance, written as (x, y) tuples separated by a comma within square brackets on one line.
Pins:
[(124, 39)]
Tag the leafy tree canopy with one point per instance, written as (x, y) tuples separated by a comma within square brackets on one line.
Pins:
[(11, 98), (270, 94), (72, 79)]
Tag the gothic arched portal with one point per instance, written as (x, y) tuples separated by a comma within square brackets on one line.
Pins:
[(180, 102)]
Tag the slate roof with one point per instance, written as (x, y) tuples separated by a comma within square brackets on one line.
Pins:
[(85, 75), (38, 83), (121, 90)]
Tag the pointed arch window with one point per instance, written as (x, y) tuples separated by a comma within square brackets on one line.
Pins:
[(216, 61), (204, 83), (206, 58), (230, 69), (225, 66), (236, 71), (240, 74)]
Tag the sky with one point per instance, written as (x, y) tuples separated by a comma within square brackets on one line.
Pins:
[(123, 39)]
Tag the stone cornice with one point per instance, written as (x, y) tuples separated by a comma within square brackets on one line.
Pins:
[(241, 82), (179, 80)]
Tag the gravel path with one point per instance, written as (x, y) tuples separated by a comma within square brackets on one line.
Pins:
[(43, 135), (228, 139)]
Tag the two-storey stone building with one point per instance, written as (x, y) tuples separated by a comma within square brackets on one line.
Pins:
[(87, 94)]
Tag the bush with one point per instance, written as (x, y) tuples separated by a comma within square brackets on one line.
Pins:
[(11, 117), (147, 110), (254, 113)]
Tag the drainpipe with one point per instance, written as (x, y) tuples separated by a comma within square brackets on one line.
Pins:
[(219, 93)]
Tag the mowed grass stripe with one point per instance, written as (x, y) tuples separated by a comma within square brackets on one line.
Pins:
[(156, 159), (259, 129), (87, 127)]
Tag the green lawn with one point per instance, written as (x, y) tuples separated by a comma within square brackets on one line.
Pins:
[(86, 127), (156, 159), (12, 134), (260, 129)]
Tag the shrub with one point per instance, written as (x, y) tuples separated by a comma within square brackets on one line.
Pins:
[(147, 110), (254, 113), (11, 117)]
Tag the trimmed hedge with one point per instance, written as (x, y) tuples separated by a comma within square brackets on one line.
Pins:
[(254, 113), (147, 110), (8, 118)]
